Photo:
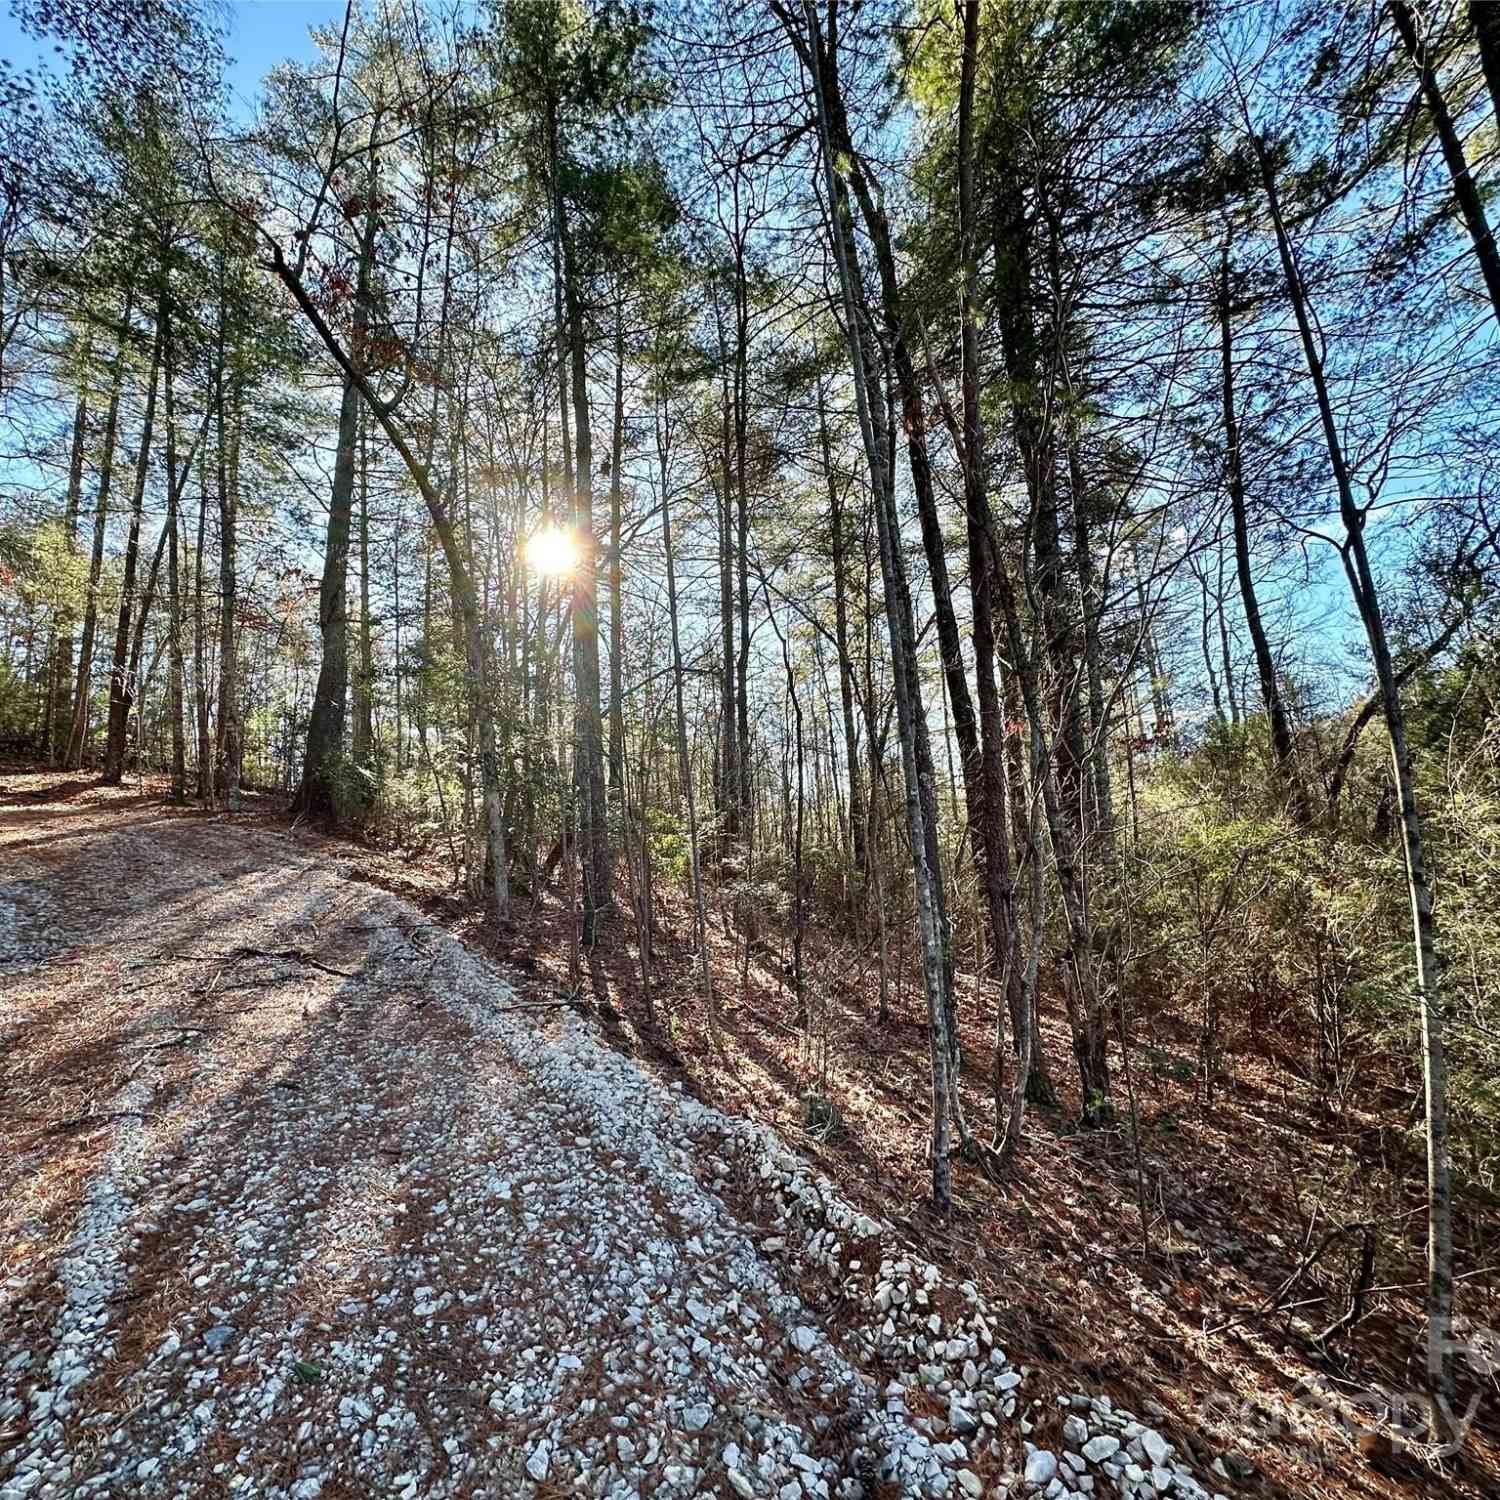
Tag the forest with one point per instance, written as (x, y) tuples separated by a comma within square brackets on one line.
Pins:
[(941, 552)]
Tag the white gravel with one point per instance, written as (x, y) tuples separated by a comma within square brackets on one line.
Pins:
[(387, 1240)]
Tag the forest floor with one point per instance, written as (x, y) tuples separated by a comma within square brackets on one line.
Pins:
[(295, 1201)]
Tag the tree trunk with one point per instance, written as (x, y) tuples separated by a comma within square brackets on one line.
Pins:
[(799, 913), (175, 694), (58, 714), (1234, 478), (984, 779), (730, 750), (684, 757), (230, 751), (1091, 604), (1231, 688), (1484, 15), (121, 680), (990, 859), (317, 795), (616, 571), (927, 878), (200, 646), (1465, 189), (742, 529), (78, 732), (588, 727), (364, 678), (857, 830), (1418, 876)]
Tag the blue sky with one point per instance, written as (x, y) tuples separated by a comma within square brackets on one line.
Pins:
[(265, 32), (262, 33)]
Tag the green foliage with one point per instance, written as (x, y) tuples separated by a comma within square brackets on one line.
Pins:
[(42, 569), (667, 839), (42, 584), (391, 810), (18, 706), (1292, 930)]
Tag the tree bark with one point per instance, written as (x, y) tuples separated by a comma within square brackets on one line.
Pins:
[(857, 830), (205, 789), (684, 756), (1091, 604), (78, 732), (121, 679), (920, 808), (730, 751), (985, 779), (230, 748), (317, 794), (742, 528), (1418, 875), (1234, 479), (1484, 15), (59, 682), (175, 694), (616, 570), (588, 728), (364, 677), (1465, 189)]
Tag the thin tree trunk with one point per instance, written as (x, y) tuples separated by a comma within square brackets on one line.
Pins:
[(175, 695), (984, 781), (121, 680), (730, 751), (857, 830), (684, 757), (742, 528), (1204, 613), (1091, 603), (1418, 876), (927, 879), (616, 571), (78, 732), (588, 728), (364, 678), (200, 645), (799, 913), (230, 751), (1234, 478), (914, 424), (1465, 189), (1230, 688), (1485, 18), (59, 683)]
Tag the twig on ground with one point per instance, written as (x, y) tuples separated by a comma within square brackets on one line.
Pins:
[(78, 1122), (292, 955), (184, 1034)]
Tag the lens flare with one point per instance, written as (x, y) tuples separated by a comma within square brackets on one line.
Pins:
[(551, 551)]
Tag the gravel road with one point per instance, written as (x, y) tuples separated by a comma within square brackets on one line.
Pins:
[(298, 1201)]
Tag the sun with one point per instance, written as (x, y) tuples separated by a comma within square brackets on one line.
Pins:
[(551, 550)]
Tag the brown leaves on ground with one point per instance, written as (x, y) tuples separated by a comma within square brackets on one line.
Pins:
[(1235, 1192)]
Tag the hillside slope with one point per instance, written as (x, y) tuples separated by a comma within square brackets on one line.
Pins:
[(304, 1196)]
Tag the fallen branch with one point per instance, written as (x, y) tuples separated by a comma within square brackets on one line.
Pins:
[(79, 1121), (1359, 1287), (185, 1034), (292, 955)]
